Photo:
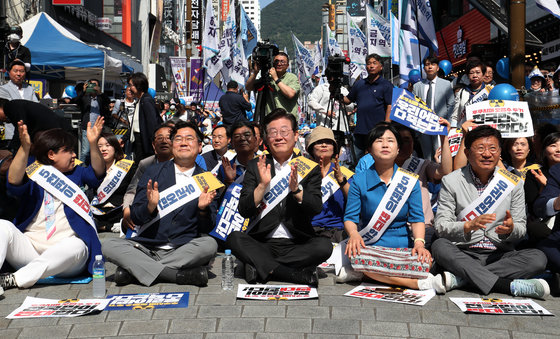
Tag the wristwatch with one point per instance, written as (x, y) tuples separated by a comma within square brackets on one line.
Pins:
[(278, 81), (344, 181), (299, 189)]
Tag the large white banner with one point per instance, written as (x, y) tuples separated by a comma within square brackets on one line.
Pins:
[(511, 118), (357, 49), (378, 33), (276, 292), (392, 294), (500, 306)]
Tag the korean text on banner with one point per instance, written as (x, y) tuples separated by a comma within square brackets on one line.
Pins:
[(411, 111), (511, 118)]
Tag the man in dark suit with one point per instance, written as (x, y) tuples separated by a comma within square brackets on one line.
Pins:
[(440, 99), (92, 103), (170, 249), (233, 105), (221, 136), (282, 245), (146, 117)]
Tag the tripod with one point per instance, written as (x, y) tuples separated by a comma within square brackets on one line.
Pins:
[(336, 109), (264, 95)]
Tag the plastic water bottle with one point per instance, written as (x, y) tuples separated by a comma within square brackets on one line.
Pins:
[(99, 277), (227, 271)]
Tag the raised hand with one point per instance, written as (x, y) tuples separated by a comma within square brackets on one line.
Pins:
[(324, 170), (337, 172), (152, 193), (541, 178), (293, 185), (24, 137), (264, 171), (93, 132), (229, 170), (507, 226), (206, 198)]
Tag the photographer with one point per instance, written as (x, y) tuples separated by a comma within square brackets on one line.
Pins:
[(285, 85), (92, 104), (373, 97)]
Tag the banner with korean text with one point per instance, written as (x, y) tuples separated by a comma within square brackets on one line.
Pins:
[(180, 75), (50, 308), (500, 306), (411, 111), (392, 294), (511, 118), (276, 292)]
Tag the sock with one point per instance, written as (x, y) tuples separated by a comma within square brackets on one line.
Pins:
[(502, 286), (282, 273), (168, 275)]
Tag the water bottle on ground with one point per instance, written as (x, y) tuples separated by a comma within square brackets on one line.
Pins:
[(99, 277), (227, 271)]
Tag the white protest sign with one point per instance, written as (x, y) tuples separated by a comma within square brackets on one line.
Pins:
[(276, 292), (500, 306), (392, 294), (511, 118)]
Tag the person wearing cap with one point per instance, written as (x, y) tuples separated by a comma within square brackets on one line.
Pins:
[(538, 83), (16, 88), (322, 147), (233, 105)]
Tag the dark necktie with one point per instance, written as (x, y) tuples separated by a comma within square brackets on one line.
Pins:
[(429, 95)]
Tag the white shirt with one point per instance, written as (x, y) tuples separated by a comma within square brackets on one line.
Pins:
[(182, 177), (281, 231)]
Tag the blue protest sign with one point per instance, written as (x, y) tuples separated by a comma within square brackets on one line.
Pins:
[(409, 110), (228, 218)]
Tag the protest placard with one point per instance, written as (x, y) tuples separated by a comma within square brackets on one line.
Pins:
[(228, 218), (411, 111), (276, 292), (455, 135), (511, 118), (144, 301), (392, 294), (500, 306), (50, 308)]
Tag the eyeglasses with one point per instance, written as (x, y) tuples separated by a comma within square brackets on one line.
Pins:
[(179, 139), (273, 133), (162, 138), (280, 62), (482, 149), (245, 136)]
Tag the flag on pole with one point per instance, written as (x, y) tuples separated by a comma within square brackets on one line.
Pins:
[(409, 48), (332, 44), (305, 65), (227, 44), (249, 33), (357, 49), (426, 29), (550, 6), (378, 33), (318, 64), (210, 42), (395, 34)]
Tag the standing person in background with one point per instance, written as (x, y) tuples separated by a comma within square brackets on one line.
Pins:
[(373, 96), (220, 140), (438, 95), (146, 117), (233, 105), (470, 94), (93, 104)]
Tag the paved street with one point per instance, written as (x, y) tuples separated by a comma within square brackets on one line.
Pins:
[(215, 313)]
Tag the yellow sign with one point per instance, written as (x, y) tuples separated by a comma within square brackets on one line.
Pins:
[(37, 87)]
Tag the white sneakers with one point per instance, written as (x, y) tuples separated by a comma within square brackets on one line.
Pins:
[(347, 274), (435, 282)]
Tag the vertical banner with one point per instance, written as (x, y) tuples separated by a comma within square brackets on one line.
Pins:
[(378, 33), (225, 9), (196, 22), (179, 71), (357, 50), (196, 88)]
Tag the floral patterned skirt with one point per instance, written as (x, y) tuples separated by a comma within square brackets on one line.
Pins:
[(394, 262)]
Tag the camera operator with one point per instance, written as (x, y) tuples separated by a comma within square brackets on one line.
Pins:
[(286, 85), (15, 50), (327, 111), (92, 104), (373, 97)]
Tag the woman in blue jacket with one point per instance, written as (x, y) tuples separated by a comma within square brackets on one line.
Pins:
[(51, 235)]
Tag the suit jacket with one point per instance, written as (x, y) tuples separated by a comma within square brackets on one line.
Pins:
[(178, 227), (444, 100), (210, 159), (550, 191), (149, 119), (457, 192), (11, 91), (296, 217), (131, 189), (84, 102)]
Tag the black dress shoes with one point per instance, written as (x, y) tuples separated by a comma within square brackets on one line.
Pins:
[(306, 276), (123, 277), (250, 274), (197, 276)]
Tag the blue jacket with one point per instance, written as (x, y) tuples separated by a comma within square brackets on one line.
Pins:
[(550, 191), (366, 192), (178, 227), (33, 195)]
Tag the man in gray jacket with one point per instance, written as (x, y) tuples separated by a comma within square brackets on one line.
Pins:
[(480, 218)]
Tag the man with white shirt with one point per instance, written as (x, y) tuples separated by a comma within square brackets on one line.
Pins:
[(438, 95), (281, 245), (173, 248)]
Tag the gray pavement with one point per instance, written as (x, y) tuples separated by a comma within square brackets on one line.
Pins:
[(213, 313)]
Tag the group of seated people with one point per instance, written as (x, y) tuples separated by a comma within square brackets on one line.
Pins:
[(494, 228)]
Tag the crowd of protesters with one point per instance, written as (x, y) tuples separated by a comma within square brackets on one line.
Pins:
[(412, 215)]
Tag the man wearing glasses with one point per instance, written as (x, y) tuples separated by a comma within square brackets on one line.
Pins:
[(480, 218), (286, 85), (170, 249), (281, 245)]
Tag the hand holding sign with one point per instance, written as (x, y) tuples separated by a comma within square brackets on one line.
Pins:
[(205, 198)]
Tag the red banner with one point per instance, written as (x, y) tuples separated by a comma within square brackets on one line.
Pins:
[(68, 2)]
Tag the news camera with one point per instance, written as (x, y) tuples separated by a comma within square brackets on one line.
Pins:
[(263, 55), (334, 72)]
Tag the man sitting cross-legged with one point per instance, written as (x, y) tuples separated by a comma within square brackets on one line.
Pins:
[(480, 218), (170, 249), (282, 244)]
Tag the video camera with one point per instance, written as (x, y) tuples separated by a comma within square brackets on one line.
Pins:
[(335, 70), (263, 55)]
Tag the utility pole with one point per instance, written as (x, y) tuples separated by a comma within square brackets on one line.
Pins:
[(517, 42)]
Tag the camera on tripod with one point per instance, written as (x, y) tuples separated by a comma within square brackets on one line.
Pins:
[(337, 66), (263, 54)]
